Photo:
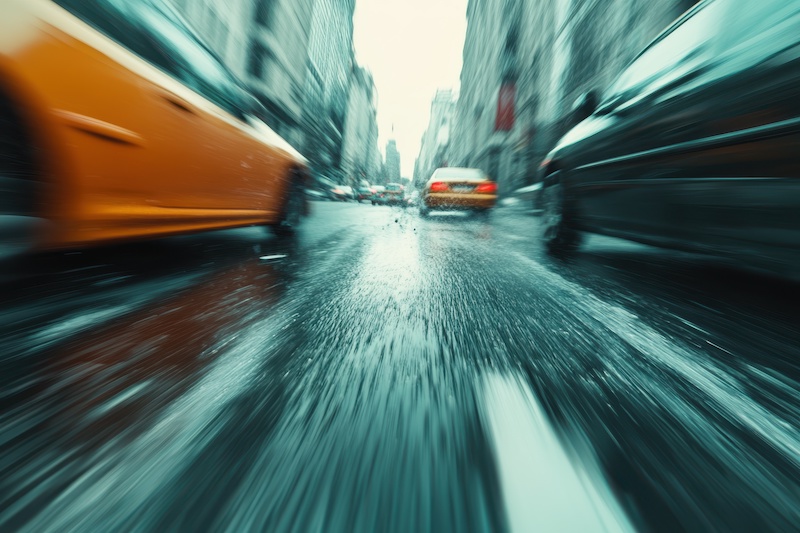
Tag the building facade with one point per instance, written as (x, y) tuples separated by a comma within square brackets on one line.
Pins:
[(266, 44), (548, 53), (360, 137), (392, 165), (225, 28), (330, 62), (433, 151), (277, 57)]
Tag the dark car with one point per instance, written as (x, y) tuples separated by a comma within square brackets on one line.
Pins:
[(364, 193), (697, 144), (343, 193), (394, 194), (378, 195)]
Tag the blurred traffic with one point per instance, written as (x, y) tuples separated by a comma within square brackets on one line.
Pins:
[(553, 294)]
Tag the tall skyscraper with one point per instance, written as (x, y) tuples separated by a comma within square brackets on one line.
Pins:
[(360, 138), (436, 140), (330, 62), (392, 162)]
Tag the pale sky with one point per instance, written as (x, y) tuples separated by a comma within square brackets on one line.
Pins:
[(412, 48)]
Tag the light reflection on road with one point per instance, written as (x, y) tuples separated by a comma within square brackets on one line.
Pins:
[(385, 372)]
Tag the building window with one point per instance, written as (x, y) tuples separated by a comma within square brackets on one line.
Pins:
[(265, 13), (255, 65)]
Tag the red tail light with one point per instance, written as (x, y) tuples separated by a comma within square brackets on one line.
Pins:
[(438, 186), (486, 188)]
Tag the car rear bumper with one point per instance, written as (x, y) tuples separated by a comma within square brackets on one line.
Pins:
[(447, 200)]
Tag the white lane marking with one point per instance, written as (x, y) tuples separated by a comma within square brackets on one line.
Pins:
[(543, 487)]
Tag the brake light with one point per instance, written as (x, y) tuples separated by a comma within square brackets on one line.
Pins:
[(438, 186), (486, 188)]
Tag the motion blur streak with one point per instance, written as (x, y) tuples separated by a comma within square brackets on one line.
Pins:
[(393, 373)]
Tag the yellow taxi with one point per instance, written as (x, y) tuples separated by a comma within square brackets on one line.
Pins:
[(457, 189), (119, 123)]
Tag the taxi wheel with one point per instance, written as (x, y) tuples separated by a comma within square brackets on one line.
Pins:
[(294, 209), (558, 231), (424, 211), (19, 186)]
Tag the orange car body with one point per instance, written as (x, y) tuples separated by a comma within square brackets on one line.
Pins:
[(125, 150), (459, 188)]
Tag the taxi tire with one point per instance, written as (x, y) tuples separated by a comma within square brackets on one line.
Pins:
[(559, 234), (293, 211), (20, 187)]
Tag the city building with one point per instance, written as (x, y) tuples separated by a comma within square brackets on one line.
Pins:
[(474, 142), (266, 44), (330, 62), (433, 151), (277, 62), (526, 63), (225, 28), (392, 164), (360, 137)]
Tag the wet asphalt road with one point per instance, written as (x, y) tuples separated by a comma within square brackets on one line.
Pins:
[(386, 373)]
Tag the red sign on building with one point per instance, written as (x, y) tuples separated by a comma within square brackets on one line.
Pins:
[(505, 107)]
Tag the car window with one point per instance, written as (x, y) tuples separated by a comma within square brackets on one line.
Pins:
[(157, 36), (672, 56), (464, 173), (197, 66), (756, 30), (116, 20)]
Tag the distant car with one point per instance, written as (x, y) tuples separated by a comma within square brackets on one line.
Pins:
[(343, 193), (458, 189), (364, 193), (395, 194), (697, 144), (378, 195), (317, 195), (324, 187)]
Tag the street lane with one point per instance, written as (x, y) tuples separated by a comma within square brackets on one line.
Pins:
[(393, 373)]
